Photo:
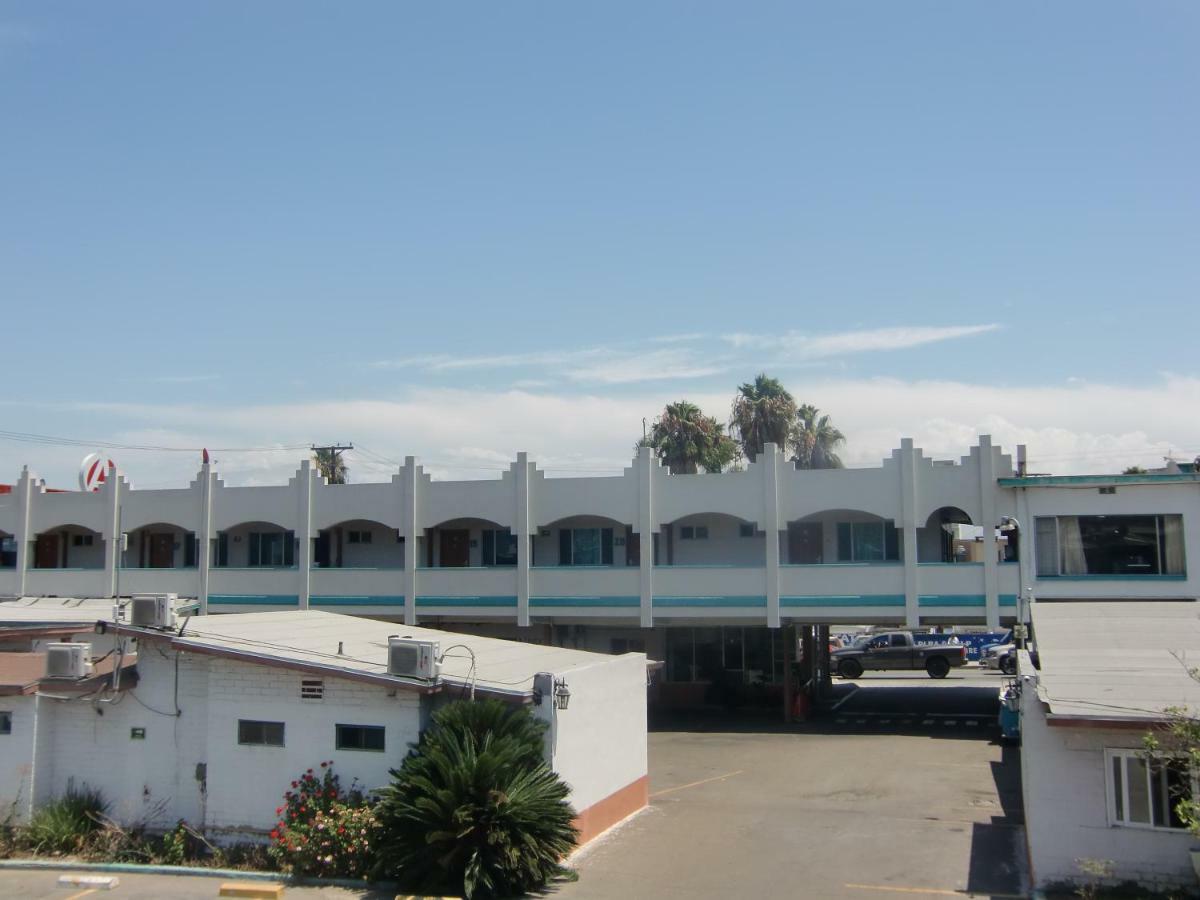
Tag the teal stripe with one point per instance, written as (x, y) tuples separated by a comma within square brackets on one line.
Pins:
[(1112, 578), (1008, 599), (253, 600), (715, 602), (356, 601), (1051, 480), (466, 601), (623, 602), (951, 600), (858, 600)]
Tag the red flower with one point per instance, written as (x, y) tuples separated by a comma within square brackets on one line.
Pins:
[(274, 835), (279, 810)]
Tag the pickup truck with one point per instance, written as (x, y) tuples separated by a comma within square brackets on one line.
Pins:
[(896, 650)]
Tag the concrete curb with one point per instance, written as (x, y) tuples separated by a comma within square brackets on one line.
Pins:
[(239, 874)]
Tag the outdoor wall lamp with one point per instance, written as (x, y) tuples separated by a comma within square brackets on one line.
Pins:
[(562, 694)]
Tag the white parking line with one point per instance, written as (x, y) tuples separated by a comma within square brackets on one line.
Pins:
[(951, 722)]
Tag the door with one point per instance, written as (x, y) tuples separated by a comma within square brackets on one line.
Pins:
[(45, 552), (455, 547), (162, 551), (804, 543)]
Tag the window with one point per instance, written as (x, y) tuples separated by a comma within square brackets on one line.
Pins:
[(746, 530), (693, 532), (867, 541), (360, 737), (1144, 791), (1109, 545), (499, 547), (81, 540), (272, 548), (260, 734), (5, 722), (585, 546), (358, 537)]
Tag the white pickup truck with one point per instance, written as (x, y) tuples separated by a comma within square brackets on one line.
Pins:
[(896, 650)]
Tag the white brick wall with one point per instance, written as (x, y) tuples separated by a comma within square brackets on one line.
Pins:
[(16, 758)]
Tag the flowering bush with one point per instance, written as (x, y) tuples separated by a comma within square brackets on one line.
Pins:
[(323, 831)]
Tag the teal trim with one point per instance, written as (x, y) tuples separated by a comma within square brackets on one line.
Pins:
[(714, 602), (357, 568), (1054, 480), (581, 602), (950, 600), (466, 601), (856, 600), (708, 566), (1008, 599), (571, 568), (472, 568), (956, 564), (1112, 578), (355, 601), (253, 600), (876, 564), (159, 568), (253, 569)]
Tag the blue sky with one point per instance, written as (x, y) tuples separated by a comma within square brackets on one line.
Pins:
[(460, 230)]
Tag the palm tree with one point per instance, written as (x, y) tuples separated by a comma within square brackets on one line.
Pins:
[(815, 440), (329, 463), (687, 441), (762, 412)]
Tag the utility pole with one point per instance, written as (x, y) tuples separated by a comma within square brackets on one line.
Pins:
[(335, 452)]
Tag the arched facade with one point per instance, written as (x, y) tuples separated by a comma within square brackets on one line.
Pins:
[(254, 545), (842, 536), (160, 545), (68, 546), (358, 544)]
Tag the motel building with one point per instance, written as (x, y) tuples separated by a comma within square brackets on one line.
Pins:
[(705, 572)]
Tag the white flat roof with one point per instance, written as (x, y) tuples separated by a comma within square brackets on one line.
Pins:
[(1118, 660), (310, 638), (54, 611)]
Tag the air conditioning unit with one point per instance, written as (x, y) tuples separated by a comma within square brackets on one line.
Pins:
[(412, 658), (152, 610), (68, 660)]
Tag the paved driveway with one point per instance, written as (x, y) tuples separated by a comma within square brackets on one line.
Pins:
[(832, 811)]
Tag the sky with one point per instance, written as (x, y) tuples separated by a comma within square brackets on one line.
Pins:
[(457, 231)]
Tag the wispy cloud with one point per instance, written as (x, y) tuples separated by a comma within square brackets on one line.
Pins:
[(844, 343), (684, 355), (185, 379)]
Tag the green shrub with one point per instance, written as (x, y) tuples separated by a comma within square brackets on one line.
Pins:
[(65, 825), (474, 810)]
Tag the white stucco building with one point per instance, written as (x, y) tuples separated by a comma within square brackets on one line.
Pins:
[(211, 725), (697, 570), (1108, 672)]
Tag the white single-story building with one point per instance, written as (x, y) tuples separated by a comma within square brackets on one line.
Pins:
[(223, 712), (1108, 672)]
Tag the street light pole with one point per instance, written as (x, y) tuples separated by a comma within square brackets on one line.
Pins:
[(1011, 524)]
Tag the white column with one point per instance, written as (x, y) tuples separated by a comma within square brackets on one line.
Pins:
[(522, 532), (646, 464), (204, 538), (770, 461), (908, 522), (409, 529), (987, 506), (25, 491), (111, 492), (305, 478)]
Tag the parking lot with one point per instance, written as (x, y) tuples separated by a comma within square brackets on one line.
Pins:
[(904, 789)]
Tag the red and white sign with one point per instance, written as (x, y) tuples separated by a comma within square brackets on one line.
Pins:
[(93, 471)]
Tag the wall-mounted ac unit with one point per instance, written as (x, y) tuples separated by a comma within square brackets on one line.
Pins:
[(412, 658), (68, 660), (152, 610)]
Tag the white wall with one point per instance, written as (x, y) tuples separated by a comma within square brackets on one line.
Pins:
[(16, 757), (599, 741), (1066, 812), (723, 546)]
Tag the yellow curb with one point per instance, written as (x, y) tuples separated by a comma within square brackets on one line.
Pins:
[(251, 890)]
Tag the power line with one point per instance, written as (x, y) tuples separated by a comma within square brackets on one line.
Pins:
[(23, 437)]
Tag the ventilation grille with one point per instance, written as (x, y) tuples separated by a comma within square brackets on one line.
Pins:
[(312, 689)]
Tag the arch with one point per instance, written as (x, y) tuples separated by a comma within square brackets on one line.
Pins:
[(68, 546), (710, 539), (8, 550), (358, 544), (160, 545), (940, 540), (842, 535), (583, 539), (468, 541), (256, 544)]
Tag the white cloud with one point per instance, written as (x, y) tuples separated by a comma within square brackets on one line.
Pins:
[(823, 346), (1069, 428), (654, 365)]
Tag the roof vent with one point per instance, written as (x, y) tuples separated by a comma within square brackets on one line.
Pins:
[(409, 658), (68, 660), (312, 689)]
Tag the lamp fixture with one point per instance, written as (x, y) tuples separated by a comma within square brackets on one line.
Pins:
[(562, 694)]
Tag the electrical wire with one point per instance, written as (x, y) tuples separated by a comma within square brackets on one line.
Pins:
[(51, 440)]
